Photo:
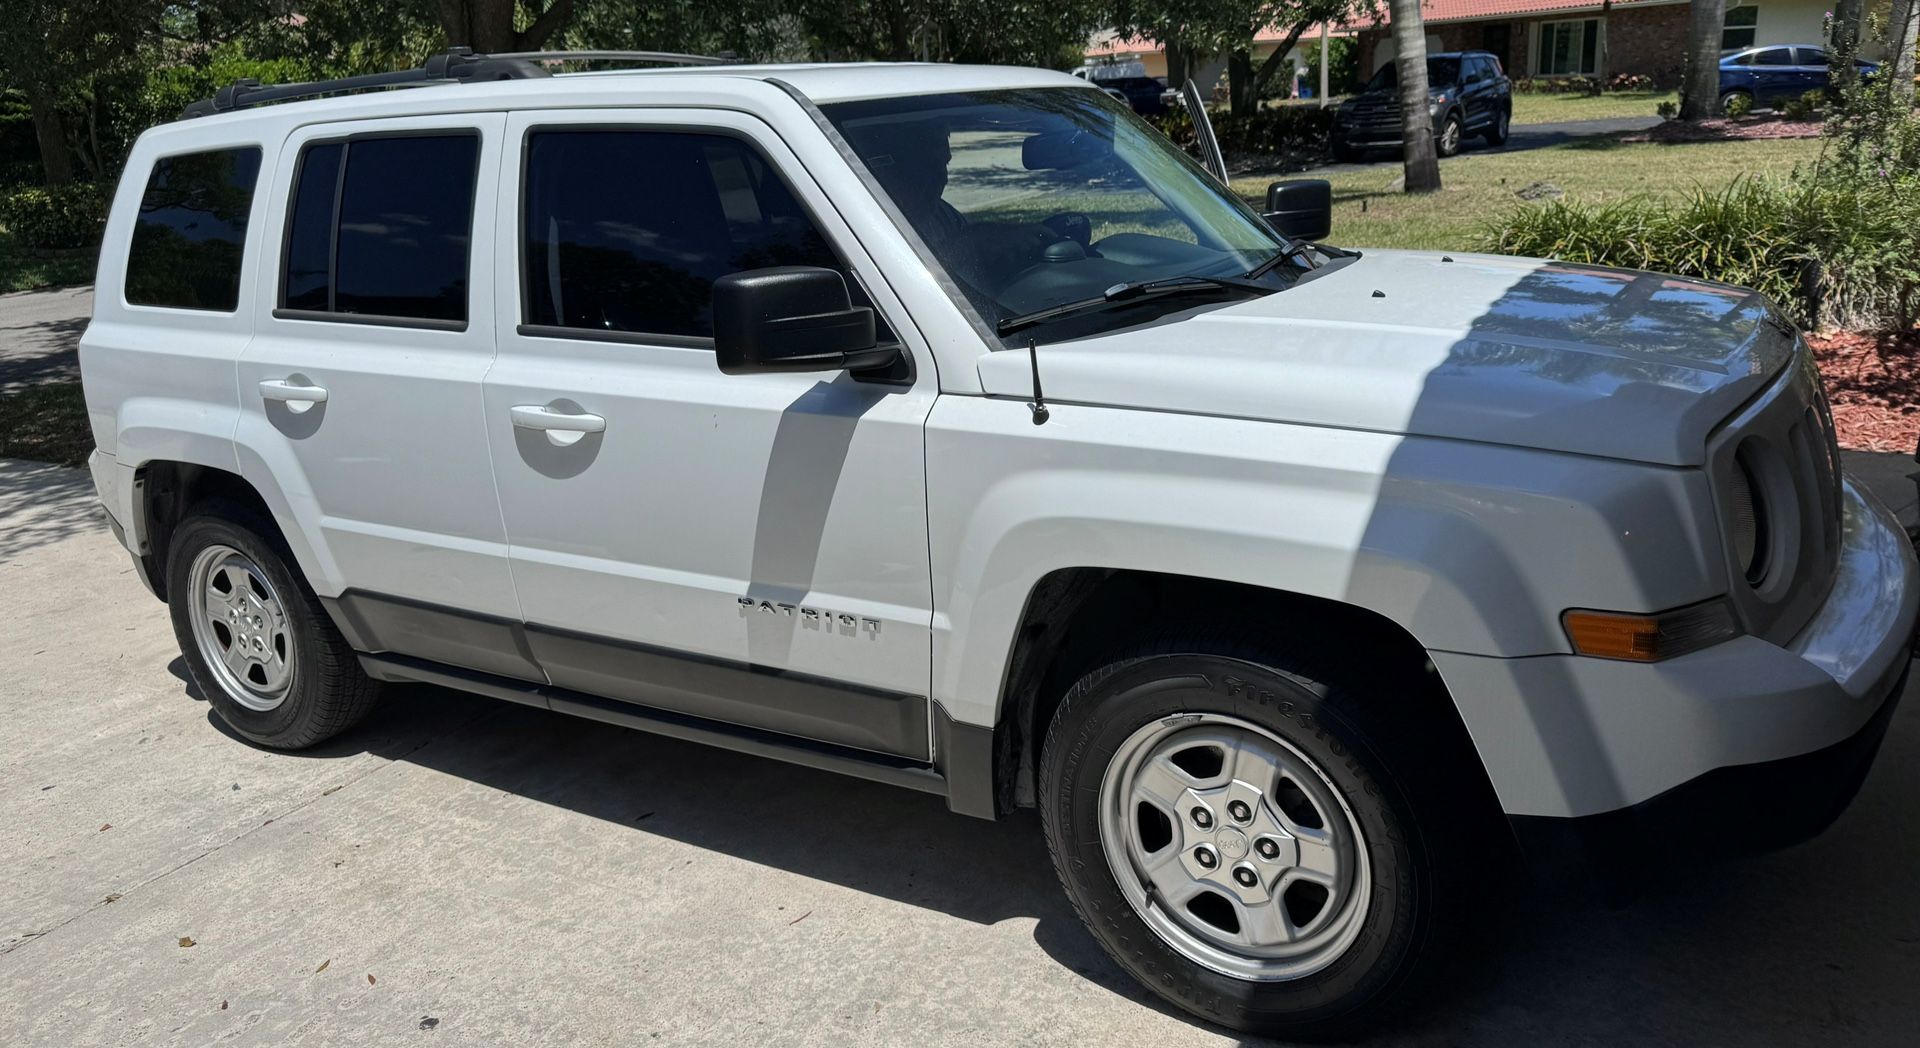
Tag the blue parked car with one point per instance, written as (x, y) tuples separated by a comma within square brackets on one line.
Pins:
[(1774, 73)]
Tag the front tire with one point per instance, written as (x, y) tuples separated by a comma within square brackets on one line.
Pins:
[(1447, 142), (1231, 833), (256, 640)]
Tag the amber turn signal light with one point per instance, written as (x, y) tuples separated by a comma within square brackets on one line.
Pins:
[(1650, 638)]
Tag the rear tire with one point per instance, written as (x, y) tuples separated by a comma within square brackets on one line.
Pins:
[(1390, 888), (256, 640), (1497, 131), (1727, 99)]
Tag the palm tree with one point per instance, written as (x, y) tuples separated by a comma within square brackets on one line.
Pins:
[(1416, 125), (1700, 92)]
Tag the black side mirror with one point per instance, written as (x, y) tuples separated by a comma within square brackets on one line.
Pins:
[(1301, 208), (792, 318)]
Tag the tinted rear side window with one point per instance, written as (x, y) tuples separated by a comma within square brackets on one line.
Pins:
[(381, 227), (628, 230), (192, 230)]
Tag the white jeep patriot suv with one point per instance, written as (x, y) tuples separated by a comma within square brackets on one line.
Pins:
[(949, 427)]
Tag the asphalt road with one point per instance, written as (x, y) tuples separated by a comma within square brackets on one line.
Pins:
[(491, 874), (39, 331)]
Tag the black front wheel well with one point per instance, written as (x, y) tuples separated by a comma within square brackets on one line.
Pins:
[(1077, 619)]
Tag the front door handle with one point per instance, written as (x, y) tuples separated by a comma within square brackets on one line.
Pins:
[(561, 427), (298, 396)]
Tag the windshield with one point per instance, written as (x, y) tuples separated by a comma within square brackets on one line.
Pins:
[(1034, 198), (1440, 72)]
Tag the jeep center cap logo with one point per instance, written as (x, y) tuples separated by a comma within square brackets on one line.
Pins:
[(1233, 844)]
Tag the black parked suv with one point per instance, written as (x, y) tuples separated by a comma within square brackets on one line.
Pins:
[(1468, 94)]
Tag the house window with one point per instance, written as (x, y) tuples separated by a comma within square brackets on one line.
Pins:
[(1738, 31), (1568, 48)]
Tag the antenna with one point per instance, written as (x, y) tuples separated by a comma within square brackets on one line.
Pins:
[(1040, 412)]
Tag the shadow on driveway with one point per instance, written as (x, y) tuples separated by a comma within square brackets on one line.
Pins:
[(1817, 944)]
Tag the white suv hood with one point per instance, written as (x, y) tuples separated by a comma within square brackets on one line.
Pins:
[(1475, 347)]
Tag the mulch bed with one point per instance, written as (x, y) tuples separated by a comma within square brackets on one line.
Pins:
[(1726, 130), (1873, 381)]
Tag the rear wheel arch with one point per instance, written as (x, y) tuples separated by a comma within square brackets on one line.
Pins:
[(1076, 619), (168, 492)]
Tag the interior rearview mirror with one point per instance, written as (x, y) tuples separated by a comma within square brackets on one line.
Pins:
[(1301, 208), (792, 318), (1063, 150)]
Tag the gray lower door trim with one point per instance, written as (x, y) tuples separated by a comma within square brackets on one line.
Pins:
[(894, 771), (756, 696), (760, 697)]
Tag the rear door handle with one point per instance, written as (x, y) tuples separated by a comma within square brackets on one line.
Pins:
[(296, 396), (561, 427)]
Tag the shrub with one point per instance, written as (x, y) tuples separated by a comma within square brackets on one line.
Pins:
[(1806, 106), (1630, 82), (69, 216), (1667, 110), (1739, 106), (1287, 131), (1825, 249), (1834, 244)]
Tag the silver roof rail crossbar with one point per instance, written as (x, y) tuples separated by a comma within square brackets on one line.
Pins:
[(454, 65)]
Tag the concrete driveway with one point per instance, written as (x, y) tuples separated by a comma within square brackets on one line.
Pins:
[(479, 871)]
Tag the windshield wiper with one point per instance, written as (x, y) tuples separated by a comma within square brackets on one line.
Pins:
[(1120, 293), (1293, 249)]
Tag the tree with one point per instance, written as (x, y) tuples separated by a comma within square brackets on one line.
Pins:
[(1700, 90), (1213, 26), (1297, 16), (487, 25), (56, 51), (1416, 124), (1904, 32)]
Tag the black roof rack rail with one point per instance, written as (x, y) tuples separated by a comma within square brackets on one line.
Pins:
[(451, 66), (655, 57)]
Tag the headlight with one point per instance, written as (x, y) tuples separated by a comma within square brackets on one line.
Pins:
[(1749, 523)]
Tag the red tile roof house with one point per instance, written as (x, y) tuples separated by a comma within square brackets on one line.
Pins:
[(1546, 38)]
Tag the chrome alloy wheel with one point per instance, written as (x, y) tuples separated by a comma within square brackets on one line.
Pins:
[(1234, 847), (1449, 137), (241, 628)]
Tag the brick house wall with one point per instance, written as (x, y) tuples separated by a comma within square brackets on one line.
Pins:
[(1648, 41)]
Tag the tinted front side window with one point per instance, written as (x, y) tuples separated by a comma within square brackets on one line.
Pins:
[(628, 230), (1778, 56), (381, 227), (191, 231)]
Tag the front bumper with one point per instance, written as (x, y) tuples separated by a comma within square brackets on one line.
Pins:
[(1367, 134), (1567, 738), (1728, 811)]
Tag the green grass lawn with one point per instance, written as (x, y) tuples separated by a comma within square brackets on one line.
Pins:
[(1530, 108), (1370, 211)]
